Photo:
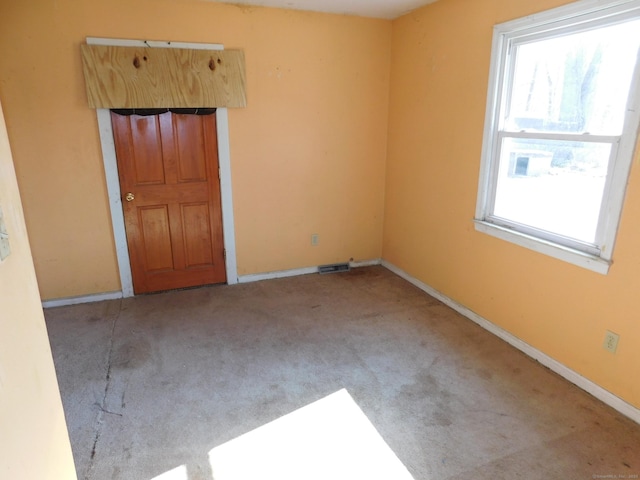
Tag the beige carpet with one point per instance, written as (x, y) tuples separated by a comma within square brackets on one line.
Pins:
[(328, 439), (231, 382)]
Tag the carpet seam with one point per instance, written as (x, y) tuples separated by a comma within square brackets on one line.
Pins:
[(102, 410)]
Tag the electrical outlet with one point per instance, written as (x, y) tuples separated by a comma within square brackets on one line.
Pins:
[(315, 239), (611, 341)]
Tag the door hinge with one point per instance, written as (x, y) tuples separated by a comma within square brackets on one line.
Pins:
[(224, 253)]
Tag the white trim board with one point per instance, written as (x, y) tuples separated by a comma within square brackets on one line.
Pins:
[(113, 182), (585, 384), (98, 297), (365, 263), (257, 277), (115, 200)]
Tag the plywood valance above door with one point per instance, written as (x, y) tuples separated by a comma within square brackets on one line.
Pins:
[(141, 77)]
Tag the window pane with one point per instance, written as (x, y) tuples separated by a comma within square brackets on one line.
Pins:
[(552, 185), (574, 83)]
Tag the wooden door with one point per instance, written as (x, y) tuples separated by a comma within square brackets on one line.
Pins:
[(169, 180)]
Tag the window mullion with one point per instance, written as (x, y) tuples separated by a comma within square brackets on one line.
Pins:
[(625, 149), (503, 101), (605, 206), (507, 83), (495, 172)]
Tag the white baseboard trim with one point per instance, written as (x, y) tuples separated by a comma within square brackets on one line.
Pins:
[(63, 302), (366, 263), (585, 384), (256, 277)]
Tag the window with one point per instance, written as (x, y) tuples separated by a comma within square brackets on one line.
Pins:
[(560, 130)]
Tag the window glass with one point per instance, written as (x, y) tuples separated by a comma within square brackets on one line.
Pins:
[(552, 185), (574, 83)]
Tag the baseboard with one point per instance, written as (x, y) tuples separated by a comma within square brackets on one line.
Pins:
[(256, 277), (585, 384), (366, 263), (62, 302)]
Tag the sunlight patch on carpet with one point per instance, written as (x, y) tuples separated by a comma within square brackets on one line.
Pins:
[(178, 473), (331, 438)]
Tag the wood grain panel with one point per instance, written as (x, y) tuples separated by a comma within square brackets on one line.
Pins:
[(135, 77), (196, 222), (157, 237), (189, 137), (147, 151)]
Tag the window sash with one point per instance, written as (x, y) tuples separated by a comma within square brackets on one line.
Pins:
[(591, 248), (572, 243)]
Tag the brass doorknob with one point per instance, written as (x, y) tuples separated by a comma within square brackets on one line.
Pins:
[(129, 197)]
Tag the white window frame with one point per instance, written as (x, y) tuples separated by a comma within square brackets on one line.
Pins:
[(505, 35)]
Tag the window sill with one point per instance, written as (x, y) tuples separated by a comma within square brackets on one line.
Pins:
[(575, 257)]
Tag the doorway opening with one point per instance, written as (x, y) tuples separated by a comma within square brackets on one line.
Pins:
[(116, 207), (113, 184), (169, 181)]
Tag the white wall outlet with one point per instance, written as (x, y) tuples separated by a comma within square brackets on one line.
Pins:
[(315, 239), (611, 341), (5, 249)]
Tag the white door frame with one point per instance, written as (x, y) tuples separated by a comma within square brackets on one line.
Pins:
[(113, 181)]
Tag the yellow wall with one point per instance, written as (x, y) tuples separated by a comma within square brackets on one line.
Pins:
[(439, 74), (308, 156), (34, 443), (308, 153)]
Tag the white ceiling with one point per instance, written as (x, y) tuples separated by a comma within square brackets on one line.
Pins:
[(388, 9)]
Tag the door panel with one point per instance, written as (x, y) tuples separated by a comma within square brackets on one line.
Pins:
[(197, 234), (173, 218), (148, 167), (190, 143), (156, 237)]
